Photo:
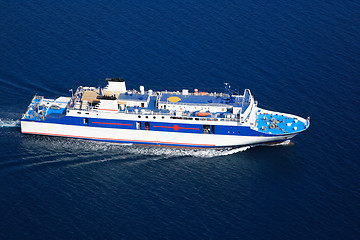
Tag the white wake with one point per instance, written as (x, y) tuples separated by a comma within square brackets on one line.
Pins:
[(169, 152), (9, 123)]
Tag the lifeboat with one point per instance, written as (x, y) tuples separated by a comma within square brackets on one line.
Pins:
[(203, 114)]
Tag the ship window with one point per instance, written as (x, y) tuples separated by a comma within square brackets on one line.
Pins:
[(142, 105), (147, 126), (213, 129), (162, 117), (138, 125), (197, 119), (139, 116), (154, 117), (206, 129), (147, 117)]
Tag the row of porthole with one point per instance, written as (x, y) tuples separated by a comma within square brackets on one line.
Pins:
[(201, 119), (154, 117), (85, 113)]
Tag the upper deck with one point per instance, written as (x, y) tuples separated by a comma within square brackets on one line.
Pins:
[(179, 105), (175, 103), (41, 108), (193, 99)]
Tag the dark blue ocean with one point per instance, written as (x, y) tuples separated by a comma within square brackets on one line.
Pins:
[(300, 57)]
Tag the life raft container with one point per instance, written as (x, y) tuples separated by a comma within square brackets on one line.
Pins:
[(203, 114)]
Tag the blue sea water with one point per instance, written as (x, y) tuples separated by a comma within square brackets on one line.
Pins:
[(300, 57)]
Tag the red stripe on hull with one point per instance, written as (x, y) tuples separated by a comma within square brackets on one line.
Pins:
[(113, 123), (102, 109), (176, 127)]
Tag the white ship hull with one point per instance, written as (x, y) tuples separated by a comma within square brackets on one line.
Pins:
[(145, 137)]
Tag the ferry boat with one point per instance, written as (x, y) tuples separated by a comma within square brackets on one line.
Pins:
[(168, 118)]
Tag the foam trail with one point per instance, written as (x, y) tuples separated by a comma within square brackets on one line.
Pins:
[(133, 150), (158, 153), (235, 150), (9, 123), (183, 152), (285, 143)]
